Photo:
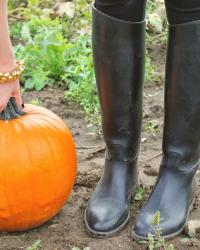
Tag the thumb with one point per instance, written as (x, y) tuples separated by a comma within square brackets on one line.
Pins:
[(18, 98), (3, 103)]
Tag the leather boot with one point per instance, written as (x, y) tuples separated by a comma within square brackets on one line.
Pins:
[(118, 49), (173, 193)]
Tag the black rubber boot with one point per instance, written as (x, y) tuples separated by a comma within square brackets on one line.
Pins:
[(173, 193), (118, 48)]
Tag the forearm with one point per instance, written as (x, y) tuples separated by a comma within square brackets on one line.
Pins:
[(7, 59)]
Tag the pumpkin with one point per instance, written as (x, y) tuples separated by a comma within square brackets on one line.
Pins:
[(37, 166)]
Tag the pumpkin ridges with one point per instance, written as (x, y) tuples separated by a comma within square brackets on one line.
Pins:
[(4, 179), (52, 166), (64, 141), (73, 160), (31, 216), (69, 138), (30, 109), (26, 134), (56, 124), (15, 171)]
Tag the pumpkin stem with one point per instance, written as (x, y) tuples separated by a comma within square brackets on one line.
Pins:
[(12, 111)]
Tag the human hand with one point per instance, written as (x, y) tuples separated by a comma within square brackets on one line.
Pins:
[(8, 90)]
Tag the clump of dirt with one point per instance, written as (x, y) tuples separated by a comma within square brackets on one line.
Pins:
[(148, 170), (88, 179)]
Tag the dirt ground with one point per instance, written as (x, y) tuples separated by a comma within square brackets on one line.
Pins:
[(66, 229)]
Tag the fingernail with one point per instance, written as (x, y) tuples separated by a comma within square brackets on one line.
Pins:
[(23, 105)]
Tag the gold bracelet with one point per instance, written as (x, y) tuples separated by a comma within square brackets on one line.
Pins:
[(12, 75)]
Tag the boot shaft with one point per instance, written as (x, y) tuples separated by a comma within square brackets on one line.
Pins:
[(118, 49), (182, 92)]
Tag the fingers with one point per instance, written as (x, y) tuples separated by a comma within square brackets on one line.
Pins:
[(7, 91), (17, 95), (18, 98), (3, 103)]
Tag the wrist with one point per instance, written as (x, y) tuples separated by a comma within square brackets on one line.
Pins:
[(14, 74), (7, 65)]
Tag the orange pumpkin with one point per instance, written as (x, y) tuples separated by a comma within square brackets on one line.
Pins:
[(37, 168)]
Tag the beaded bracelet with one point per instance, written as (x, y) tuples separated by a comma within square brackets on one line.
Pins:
[(12, 75)]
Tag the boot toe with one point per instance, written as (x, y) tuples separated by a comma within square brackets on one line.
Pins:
[(104, 218), (143, 227), (169, 226)]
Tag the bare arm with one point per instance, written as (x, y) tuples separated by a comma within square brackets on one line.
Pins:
[(7, 60)]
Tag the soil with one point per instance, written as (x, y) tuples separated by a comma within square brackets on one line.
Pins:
[(66, 230)]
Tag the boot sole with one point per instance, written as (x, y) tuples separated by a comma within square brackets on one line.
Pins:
[(103, 235), (170, 236)]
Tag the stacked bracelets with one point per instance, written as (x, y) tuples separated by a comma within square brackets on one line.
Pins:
[(12, 75)]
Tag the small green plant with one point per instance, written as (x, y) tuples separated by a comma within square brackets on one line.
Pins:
[(36, 246), (139, 193), (151, 126), (44, 53), (151, 72), (36, 101), (156, 23), (157, 241)]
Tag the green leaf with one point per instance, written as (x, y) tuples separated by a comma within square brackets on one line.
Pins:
[(170, 247), (36, 245), (155, 21), (139, 193), (156, 219), (143, 242), (25, 32), (158, 244), (33, 3)]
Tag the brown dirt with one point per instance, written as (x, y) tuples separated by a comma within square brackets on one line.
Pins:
[(66, 229)]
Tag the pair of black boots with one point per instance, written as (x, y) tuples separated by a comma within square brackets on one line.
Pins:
[(119, 55)]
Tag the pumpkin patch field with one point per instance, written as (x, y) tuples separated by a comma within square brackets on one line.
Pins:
[(66, 230)]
